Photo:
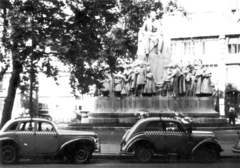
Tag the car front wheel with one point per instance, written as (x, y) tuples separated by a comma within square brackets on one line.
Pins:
[(82, 154), (8, 154), (143, 154), (205, 155)]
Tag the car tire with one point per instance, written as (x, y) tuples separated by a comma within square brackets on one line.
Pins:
[(82, 154), (206, 155), (143, 154), (8, 154)]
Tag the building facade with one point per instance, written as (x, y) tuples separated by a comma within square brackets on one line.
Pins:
[(211, 33)]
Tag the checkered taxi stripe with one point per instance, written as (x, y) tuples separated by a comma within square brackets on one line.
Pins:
[(38, 132), (24, 132), (163, 133), (46, 133)]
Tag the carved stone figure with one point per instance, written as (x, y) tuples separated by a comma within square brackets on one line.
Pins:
[(152, 34), (118, 84), (206, 87), (150, 86), (141, 78)]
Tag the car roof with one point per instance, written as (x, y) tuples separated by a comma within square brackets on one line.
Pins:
[(141, 124), (160, 119), (22, 119), (29, 118)]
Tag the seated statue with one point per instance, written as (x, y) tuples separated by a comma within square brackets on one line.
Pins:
[(151, 35)]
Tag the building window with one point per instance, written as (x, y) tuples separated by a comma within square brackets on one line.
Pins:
[(203, 48), (173, 48), (232, 70), (233, 46), (187, 48), (193, 48)]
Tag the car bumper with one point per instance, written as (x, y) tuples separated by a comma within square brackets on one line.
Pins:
[(124, 152), (235, 150), (97, 149)]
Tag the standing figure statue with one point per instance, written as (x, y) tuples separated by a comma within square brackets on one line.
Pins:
[(152, 34), (150, 86), (141, 79)]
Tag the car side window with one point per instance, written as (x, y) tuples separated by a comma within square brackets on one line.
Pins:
[(44, 126), (12, 127), (172, 127), (155, 126), (26, 126)]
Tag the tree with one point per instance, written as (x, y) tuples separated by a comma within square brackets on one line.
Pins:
[(48, 21), (114, 38), (91, 40)]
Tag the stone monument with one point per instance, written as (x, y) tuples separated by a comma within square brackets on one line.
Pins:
[(152, 50), (151, 46)]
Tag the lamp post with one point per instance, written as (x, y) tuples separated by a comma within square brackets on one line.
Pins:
[(28, 7)]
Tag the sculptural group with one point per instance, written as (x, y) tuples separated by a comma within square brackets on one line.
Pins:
[(138, 79), (192, 79)]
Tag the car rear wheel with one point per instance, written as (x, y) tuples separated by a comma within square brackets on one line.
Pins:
[(82, 154), (8, 154), (206, 155), (143, 154)]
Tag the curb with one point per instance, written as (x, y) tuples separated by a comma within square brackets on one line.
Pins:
[(118, 156)]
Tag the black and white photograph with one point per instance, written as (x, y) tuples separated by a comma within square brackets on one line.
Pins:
[(119, 83)]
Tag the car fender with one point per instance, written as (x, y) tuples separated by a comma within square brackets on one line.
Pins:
[(137, 138), (8, 139), (89, 139), (205, 141)]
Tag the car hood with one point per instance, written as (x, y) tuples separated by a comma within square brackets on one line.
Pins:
[(77, 133), (205, 134)]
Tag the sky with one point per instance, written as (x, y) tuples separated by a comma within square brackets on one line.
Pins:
[(205, 5)]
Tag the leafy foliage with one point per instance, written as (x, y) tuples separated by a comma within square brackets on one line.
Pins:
[(91, 37)]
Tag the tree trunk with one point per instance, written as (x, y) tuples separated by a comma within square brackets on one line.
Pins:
[(12, 88)]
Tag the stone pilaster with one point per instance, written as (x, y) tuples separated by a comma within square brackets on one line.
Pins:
[(222, 72)]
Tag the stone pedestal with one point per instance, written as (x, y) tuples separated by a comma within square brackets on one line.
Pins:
[(112, 111), (157, 63)]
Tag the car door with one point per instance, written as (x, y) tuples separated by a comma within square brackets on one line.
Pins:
[(46, 138), (25, 137), (175, 137), (155, 132)]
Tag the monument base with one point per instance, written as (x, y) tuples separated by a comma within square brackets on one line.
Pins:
[(129, 119), (124, 112)]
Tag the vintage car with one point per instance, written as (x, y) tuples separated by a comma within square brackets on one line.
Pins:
[(236, 147), (151, 136), (27, 137)]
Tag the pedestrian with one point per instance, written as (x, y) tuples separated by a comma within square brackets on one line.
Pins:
[(232, 114)]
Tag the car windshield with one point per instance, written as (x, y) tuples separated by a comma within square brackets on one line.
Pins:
[(6, 125), (55, 125), (135, 125)]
